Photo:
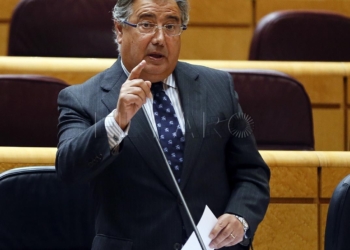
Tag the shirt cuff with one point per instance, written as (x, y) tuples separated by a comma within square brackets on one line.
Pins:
[(115, 134)]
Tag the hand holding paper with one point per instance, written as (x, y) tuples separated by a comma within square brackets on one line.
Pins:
[(205, 225)]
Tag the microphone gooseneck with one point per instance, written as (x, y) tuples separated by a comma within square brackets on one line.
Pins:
[(155, 135)]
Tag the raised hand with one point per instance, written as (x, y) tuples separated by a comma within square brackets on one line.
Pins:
[(133, 95)]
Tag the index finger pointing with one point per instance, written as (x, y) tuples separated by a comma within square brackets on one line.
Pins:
[(136, 72)]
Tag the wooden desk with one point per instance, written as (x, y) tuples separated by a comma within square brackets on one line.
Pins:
[(301, 186)]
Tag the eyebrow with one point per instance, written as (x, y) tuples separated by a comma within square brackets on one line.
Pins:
[(151, 15)]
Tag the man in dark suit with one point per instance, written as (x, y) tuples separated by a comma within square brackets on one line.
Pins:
[(109, 128)]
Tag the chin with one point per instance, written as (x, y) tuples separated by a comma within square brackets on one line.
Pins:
[(156, 74)]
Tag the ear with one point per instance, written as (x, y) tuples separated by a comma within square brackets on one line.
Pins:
[(119, 30)]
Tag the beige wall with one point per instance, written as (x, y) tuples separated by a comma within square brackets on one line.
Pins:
[(219, 30)]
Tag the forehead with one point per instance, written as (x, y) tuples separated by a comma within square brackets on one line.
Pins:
[(156, 8)]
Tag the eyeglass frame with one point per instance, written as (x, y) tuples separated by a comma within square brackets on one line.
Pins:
[(183, 27)]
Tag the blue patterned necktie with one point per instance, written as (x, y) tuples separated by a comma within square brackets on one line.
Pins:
[(170, 134)]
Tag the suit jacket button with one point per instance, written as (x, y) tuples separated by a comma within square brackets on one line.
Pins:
[(177, 246)]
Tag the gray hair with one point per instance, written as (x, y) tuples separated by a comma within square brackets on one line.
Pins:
[(123, 10)]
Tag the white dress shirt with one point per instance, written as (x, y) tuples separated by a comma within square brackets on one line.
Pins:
[(116, 134)]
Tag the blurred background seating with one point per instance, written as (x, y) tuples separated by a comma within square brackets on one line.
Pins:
[(28, 107), (227, 28), (278, 106), (38, 211), (301, 36), (63, 28)]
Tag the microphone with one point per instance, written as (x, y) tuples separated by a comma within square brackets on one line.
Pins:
[(155, 135)]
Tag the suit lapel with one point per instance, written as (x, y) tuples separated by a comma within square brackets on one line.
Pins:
[(193, 97), (111, 83), (140, 133), (141, 136), (193, 103)]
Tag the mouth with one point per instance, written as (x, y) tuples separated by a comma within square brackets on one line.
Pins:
[(156, 56)]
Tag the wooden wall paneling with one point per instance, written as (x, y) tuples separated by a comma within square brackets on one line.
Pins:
[(218, 31), (323, 221), (6, 8), (4, 33), (348, 129), (330, 178), (323, 89), (329, 129), (326, 94), (216, 43), (283, 180), (347, 82), (225, 12), (288, 227), (264, 7)]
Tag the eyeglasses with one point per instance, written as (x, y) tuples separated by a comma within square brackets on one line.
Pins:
[(150, 28)]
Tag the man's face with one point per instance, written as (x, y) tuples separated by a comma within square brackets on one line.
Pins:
[(160, 51)]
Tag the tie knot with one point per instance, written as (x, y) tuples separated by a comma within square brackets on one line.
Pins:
[(157, 87)]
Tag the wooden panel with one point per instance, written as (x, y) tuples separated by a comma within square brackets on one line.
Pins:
[(6, 8), (348, 129), (263, 7), (330, 178), (328, 129), (227, 12), (323, 89), (70, 70), (219, 43), (31, 155), (4, 29), (294, 159), (347, 80), (283, 181), (7, 166), (76, 70), (288, 227), (323, 221)]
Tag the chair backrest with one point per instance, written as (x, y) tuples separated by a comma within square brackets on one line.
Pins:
[(28, 107), (301, 35), (63, 28), (279, 108), (338, 218), (38, 211)]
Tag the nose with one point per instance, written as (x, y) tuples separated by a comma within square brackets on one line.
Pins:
[(158, 36)]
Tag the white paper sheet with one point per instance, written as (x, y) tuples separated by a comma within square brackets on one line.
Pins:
[(205, 225)]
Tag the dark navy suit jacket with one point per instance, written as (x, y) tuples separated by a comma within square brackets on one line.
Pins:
[(137, 206)]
